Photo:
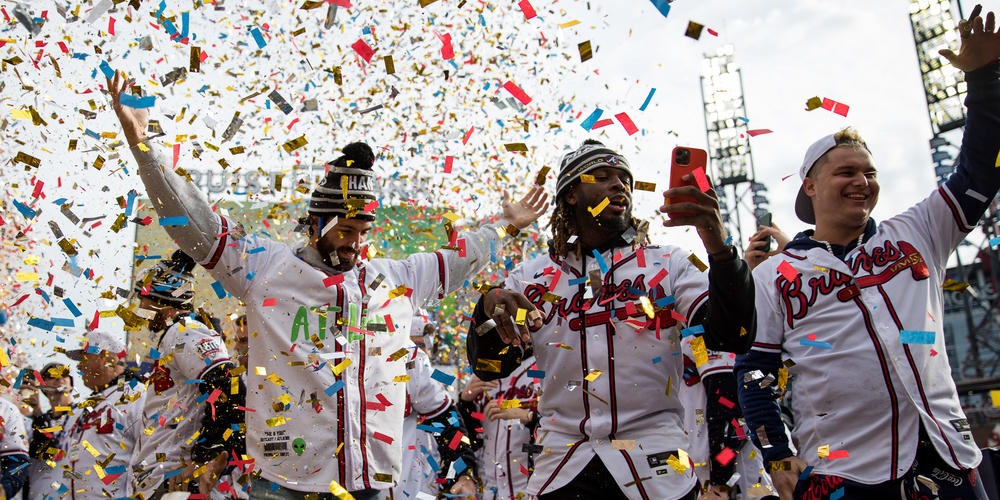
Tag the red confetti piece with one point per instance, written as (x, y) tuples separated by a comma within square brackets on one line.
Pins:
[(336, 279), (371, 205), (455, 440), (725, 456), (701, 179), (626, 122), (270, 302), (640, 257), (835, 107), (447, 51), (725, 402), (837, 454), (787, 176), (602, 123), (678, 316), (177, 153), (478, 416), (342, 3), (468, 134), (111, 26), (382, 399), (38, 189), (517, 92), (363, 50), (94, 324), (758, 131), (786, 270), (448, 161), (712, 32), (656, 279), (529, 11), (933, 353), (382, 437)]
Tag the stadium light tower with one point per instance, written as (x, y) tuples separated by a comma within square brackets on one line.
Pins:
[(728, 147)]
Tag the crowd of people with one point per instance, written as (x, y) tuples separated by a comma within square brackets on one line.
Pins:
[(609, 367)]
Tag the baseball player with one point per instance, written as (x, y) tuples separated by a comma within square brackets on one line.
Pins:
[(104, 428), (13, 449), (189, 425), (327, 323), (852, 311), (601, 309), (50, 429), (503, 414), (726, 463), (429, 406)]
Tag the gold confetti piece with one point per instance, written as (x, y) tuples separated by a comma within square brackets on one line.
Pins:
[(452, 216), (694, 30), (519, 317), (398, 354), (27, 159), (51, 429), (294, 144), (647, 306), (397, 292), (516, 146), (995, 397), (645, 186), (954, 285), (425, 3), (622, 444), (383, 478), (310, 4), (998, 160), (821, 269), (234, 385), (21, 113), (99, 162), (697, 262), (338, 491), (699, 350), (782, 378), (27, 276), (585, 52), (595, 211), (569, 24), (90, 448), (507, 404), (823, 451), (814, 103), (540, 178), (341, 366), (275, 379), (401, 378), (260, 370), (194, 62), (276, 421), (486, 365), (592, 376), (587, 178), (550, 297), (390, 68), (670, 384)]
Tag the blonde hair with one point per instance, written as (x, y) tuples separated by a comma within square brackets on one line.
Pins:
[(847, 137)]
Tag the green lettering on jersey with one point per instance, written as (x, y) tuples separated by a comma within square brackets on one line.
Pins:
[(301, 322)]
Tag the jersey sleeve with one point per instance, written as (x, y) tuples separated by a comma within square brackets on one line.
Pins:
[(15, 437), (237, 260), (203, 350), (427, 396)]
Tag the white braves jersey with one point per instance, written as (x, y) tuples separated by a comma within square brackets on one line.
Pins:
[(322, 355), (184, 352), (109, 422), (426, 398), (12, 430), (503, 463), (857, 386), (611, 374), (749, 462)]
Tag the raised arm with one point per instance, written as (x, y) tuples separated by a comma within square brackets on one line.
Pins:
[(171, 194)]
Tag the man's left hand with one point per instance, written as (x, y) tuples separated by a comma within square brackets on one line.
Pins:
[(703, 213), (207, 479), (980, 42), (528, 209), (464, 486)]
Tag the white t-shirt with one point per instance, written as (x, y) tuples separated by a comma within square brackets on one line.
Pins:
[(184, 353)]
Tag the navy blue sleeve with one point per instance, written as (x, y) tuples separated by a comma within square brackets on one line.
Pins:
[(975, 168), (719, 417), (489, 356), (760, 404), (15, 472)]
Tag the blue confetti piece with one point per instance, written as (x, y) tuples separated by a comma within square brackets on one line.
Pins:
[(170, 28), (171, 473), (805, 473), (106, 69), (143, 102), (577, 281), (44, 324), (62, 322), (219, 291), (459, 466), (648, 98), (433, 463), (118, 469), (916, 337), (154, 354), (336, 386), (442, 377), (657, 359), (588, 123), (995, 241), (428, 428), (601, 262), (663, 6), (665, 301), (130, 203), (72, 308), (257, 37), (25, 210), (44, 295), (536, 373), (202, 398), (728, 240), (58, 202), (694, 330), (256, 250), (193, 381), (837, 494), (250, 275), (80, 55), (17, 381), (815, 343), (174, 221)]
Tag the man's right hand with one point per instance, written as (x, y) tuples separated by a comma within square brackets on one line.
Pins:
[(134, 121), (477, 386), (502, 305), (755, 253), (785, 480)]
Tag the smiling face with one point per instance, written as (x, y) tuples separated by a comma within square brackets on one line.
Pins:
[(611, 183), (344, 240), (843, 187)]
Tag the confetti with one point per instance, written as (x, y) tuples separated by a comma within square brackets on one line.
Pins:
[(517, 92), (363, 50), (916, 337), (585, 51)]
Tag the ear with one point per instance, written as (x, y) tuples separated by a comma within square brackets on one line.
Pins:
[(809, 187)]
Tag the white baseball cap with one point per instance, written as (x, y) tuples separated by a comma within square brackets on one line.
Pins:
[(803, 204), (97, 341)]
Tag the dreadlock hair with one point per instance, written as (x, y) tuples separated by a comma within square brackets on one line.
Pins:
[(563, 226)]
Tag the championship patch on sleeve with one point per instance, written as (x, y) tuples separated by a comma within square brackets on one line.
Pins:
[(207, 347)]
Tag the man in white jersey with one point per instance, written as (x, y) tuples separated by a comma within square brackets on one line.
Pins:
[(321, 378), (503, 415), (599, 312), (105, 428), (49, 430), (852, 312), (192, 413), (14, 464)]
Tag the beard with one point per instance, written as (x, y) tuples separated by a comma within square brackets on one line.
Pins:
[(616, 224), (330, 255)]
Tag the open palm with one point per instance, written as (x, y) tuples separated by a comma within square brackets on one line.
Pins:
[(980, 42), (133, 120), (526, 210)]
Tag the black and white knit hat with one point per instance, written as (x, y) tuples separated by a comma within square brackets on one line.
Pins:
[(348, 187), (171, 283), (591, 155)]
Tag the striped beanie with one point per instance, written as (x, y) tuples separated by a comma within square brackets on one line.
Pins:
[(170, 281), (591, 155), (348, 186)]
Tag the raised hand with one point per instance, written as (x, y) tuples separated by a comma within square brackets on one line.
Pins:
[(528, 209), (755, 253), (980, 42), (704, 214), (134, 121)]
